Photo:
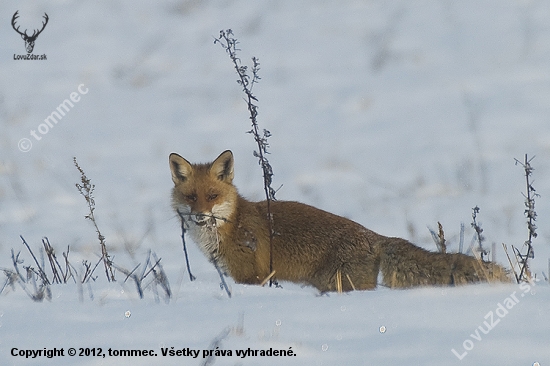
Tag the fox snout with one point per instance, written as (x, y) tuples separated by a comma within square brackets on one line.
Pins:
[(202, 219), (198, 218)]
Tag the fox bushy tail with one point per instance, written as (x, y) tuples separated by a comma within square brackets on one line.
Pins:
[(404, 265)]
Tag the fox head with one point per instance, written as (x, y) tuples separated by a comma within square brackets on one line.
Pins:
[(204, 193)]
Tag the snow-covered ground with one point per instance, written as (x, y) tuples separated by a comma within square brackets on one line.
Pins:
[(395, 114)]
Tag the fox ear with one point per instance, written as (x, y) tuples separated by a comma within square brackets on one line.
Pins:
[(222, 167), (181, 169)]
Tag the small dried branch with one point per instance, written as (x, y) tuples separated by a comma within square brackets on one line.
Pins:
[(133, 276), (68, 267), (531, 215), (15, 260), (510, 261), (160, 277), (479, 237), (89, 271), (265, 280), (11, 278), (184, 226), (86, 189), (214, 260), (229, 43), (59, 276), (40, 272)]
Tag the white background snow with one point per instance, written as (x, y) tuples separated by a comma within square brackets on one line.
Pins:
[(396, 114)]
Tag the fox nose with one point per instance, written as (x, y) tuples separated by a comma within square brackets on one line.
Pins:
[(201, 218)]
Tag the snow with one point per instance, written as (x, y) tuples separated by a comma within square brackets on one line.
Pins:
[(395, 114)]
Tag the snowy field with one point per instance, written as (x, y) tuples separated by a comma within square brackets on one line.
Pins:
[(396, 114)]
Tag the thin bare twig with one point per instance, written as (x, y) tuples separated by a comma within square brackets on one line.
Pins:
[(15, 259), (510, 261), (531, 215), (229, 43), (86, 189), (480, 238), (183, 231), (40, 272), (160, 276)]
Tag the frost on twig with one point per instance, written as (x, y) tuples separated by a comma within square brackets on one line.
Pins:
[(531, 215)]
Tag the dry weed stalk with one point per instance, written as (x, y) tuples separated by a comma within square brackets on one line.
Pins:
[(350, 282), (229, 43), (510, 261), (183, 231), (266, 280), (480, 262), (439, 238), (86, 189), (531, 214), (150, 268), (479, 238), (339, 281), (41, 289)]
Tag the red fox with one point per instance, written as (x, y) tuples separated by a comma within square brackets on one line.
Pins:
[(310, 246)]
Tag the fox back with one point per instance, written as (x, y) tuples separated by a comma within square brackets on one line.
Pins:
[(310, 246)]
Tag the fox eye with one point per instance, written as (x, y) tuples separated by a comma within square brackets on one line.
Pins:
[(191, 197), (211, 197)]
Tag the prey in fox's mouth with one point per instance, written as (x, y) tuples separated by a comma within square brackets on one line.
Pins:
[(203, 220), (199, 219)]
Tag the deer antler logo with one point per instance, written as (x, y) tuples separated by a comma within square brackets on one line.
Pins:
[(29, 40)]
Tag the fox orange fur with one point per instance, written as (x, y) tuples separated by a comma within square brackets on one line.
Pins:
[(310, 246)]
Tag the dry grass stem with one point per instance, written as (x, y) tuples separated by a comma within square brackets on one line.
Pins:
[(350, 282), (267, 278)]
